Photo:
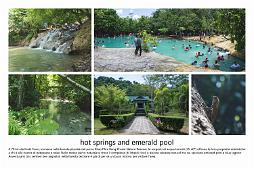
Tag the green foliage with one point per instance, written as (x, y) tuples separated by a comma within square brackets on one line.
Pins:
[(167, 123), (111, 98), (116, 121), (232, 22), (158, 80), (72, 108), (148, 40), (37, 100), (44, 127), (184, 98), (23, 91), (31, 121), (131, 88), (162, 100), (108, 20), (67, 91), (26, 23), (15, 126), (177, 22), (169, 93), (168, 99), (163, 30), (100, 129), (26, 90)]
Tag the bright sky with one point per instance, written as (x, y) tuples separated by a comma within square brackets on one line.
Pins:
[(134, 13), (138, 77)]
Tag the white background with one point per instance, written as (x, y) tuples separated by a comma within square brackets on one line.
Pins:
[(244, 161)]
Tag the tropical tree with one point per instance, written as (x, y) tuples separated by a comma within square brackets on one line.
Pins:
[(110, 98)]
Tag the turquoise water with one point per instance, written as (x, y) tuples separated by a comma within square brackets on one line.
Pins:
[(24, 59), (116, 42), (175, 48)]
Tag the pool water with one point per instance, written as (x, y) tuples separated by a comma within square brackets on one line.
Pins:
[(175, 48), (71, 121), (24, 59)]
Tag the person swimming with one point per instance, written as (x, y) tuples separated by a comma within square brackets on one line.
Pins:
[(194, 62), (199, 54), (205, 61), (216, 64), (235, 66)]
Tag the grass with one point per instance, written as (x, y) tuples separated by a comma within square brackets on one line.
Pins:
[(100, 129), (175, 114)]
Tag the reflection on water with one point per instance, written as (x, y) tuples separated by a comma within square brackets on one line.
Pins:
[(23, 59), (71, 120)]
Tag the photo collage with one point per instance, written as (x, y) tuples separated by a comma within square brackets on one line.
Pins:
[(121, 71)]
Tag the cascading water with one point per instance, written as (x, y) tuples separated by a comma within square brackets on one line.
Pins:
[(57, 40)]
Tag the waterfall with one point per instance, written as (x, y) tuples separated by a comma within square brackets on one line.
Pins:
[(57, 40), (61, 48)]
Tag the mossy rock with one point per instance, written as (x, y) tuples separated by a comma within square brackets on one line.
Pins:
[(82, 41)]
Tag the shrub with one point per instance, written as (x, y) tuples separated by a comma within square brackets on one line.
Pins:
[(68, 107), (31, 121), (44, 127), (116, 121), (167, 123), (15, 126)]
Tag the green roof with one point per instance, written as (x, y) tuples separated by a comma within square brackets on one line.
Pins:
[(140, 98)]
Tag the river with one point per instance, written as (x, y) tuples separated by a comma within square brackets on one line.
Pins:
[(24, 59)]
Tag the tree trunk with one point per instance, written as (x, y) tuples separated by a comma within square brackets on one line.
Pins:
[(75, 83), (20, 93), (200, 123)]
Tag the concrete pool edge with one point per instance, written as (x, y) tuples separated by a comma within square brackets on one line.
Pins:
[(124, 60)]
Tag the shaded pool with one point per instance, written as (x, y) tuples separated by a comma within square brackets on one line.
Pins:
[(24, 59), (71, 120)]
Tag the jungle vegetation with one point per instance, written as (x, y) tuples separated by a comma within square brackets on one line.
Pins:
[(169, 95), (26, 23), (49, 104), (178, 22)]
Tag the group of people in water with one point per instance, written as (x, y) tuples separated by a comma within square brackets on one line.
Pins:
[(235, 66), (204, 63), (221, 56)]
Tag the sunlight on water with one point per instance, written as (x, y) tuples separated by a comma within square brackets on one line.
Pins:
[(175, 48)]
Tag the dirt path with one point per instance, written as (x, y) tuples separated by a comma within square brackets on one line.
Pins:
[(140, 125)]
